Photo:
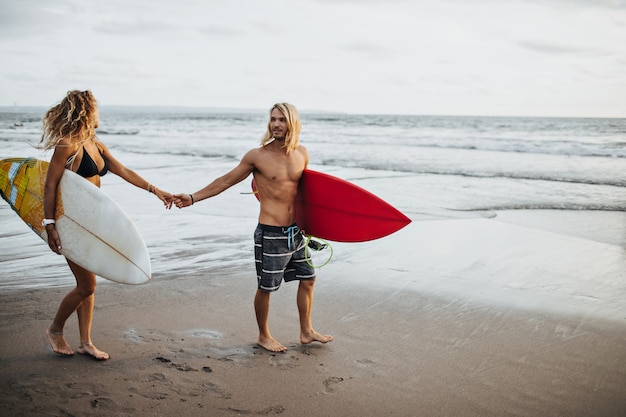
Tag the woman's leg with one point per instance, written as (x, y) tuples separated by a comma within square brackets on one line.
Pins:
[(81, 300), (86, 281)]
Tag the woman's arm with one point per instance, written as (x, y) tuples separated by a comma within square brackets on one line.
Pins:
[(62, 151), (130, 176)]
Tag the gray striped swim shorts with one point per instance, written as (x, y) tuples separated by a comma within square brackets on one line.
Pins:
[(279, 254)]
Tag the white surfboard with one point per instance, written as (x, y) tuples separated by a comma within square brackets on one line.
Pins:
[(95, 231)]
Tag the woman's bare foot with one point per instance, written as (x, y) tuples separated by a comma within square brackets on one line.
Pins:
[(58, 343), (271, 344), (89, 349), (314, 336)]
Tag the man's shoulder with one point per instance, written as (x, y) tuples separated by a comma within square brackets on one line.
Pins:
[(253, 153), (302, 150), (257, 156)]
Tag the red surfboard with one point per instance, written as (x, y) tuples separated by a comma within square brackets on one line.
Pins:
[(334, 209)]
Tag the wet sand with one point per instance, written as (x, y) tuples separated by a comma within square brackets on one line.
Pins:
[(184, 344)]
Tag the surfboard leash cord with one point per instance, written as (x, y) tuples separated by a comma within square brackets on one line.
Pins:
[(316, 244)]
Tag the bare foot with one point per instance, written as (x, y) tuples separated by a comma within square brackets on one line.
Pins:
[(58, 343), (271, 344), (89, 349), (315, 337)]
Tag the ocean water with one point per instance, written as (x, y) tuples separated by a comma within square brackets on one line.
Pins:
[(429, 167), (461, 163)]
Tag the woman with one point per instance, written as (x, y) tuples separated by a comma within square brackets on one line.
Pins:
[(69, 128)]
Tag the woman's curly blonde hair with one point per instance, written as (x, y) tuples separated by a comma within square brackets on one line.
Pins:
[(75, 117)]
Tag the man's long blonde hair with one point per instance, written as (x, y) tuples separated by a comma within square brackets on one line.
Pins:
[(75, 117), (292, 139)]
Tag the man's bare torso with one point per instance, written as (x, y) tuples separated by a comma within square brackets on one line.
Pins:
[(276, 175)]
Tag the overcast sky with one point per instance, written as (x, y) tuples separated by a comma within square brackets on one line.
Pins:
[(450, 57)]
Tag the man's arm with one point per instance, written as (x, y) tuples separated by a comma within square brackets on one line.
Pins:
[(235, 176)]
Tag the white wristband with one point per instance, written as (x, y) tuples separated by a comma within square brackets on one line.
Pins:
[(46, 222)]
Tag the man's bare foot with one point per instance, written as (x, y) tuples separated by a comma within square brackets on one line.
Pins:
[(58, 343), (89, 349), (314, 336), (269, 343)]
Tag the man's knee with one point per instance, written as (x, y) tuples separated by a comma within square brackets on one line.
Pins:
[(307, 283)]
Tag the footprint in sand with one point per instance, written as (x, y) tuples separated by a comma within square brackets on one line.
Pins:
[(82, 389), (181, 367), (103, 403), (329, 384), (283, 361), (133, 335), (208, 334), (155, 386), (364, 362), (111, 406)]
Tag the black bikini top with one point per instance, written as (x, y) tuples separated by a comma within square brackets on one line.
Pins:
[(88, 167)]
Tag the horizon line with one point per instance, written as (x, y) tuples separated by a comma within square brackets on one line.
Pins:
[(180, 108)]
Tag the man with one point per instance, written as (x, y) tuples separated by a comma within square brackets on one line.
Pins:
[(279, 245)]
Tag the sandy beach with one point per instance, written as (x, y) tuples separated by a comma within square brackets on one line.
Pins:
[(184, 344)]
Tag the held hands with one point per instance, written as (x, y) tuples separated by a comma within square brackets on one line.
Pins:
[(164, 196), (183, 200)]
